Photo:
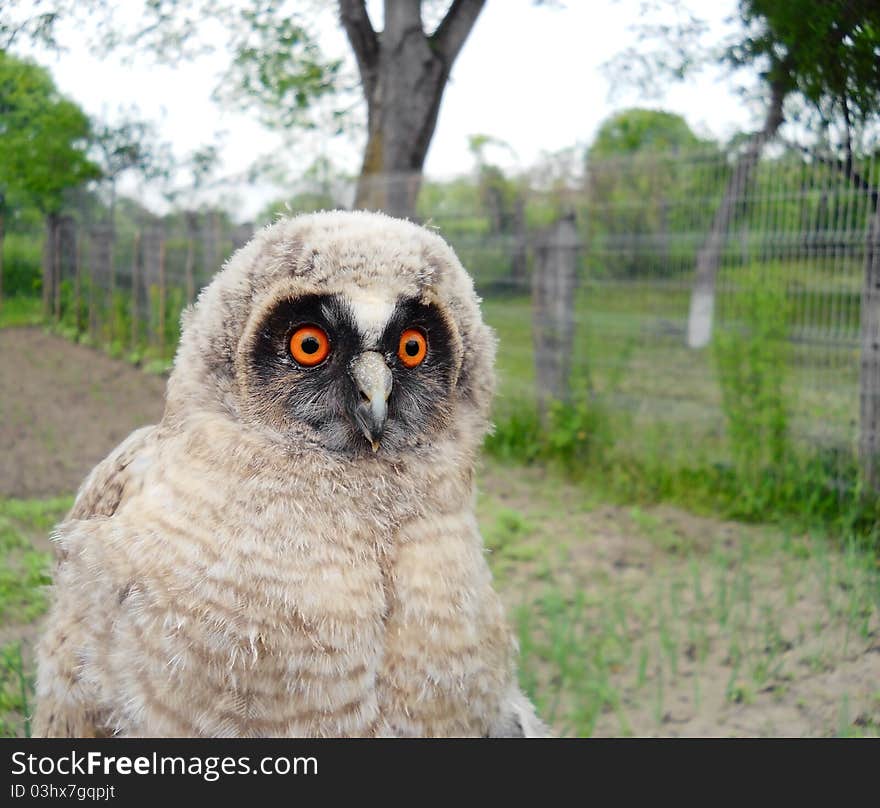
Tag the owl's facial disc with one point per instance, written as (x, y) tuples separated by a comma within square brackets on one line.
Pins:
[(357, 383)]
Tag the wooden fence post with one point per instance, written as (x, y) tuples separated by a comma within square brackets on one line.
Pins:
[(99, 269), (161, 296), (554, 283), (192, 223), (869, 376), (77, 283), (56, 272), (519, 259), (152, 271), (111, 281)]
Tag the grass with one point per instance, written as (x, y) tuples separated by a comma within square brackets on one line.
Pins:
[(21, 311), (645, 620), (629, 348), (24, 575)]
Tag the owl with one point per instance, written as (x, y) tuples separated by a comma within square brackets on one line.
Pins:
[(292, 550)]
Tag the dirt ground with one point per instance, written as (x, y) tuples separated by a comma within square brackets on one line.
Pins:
[(643, 621), (63, 407)]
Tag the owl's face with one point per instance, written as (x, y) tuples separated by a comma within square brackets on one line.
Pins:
[(351, 332), (361, 370)]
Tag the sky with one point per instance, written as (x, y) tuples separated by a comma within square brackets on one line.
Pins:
[(529, 75)]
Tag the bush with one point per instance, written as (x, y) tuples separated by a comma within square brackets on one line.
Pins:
[(22, 262), (751, 356), (576, 436)]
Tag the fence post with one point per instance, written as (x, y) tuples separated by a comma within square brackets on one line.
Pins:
[(554, 284), (56, 272), (191, 228), (162, 296), (150, 275), (77, 283), (49, 264), (111, 280), (519, 260), (102, 257), (869, 376)]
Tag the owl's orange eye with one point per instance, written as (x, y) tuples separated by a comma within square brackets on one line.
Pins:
[(309, 345), (413, 347)]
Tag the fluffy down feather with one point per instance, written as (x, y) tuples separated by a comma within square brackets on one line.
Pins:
[(221, 576)]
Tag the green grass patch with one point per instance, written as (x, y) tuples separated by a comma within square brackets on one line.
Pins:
[(21, 311), (24, 569), (24, 577)]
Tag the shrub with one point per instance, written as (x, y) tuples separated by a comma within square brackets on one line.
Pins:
[(22, 260)]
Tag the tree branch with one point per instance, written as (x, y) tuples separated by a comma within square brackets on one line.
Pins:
[(845, 167), (364, 42), (450, 36)]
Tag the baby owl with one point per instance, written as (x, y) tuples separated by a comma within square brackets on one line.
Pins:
[(292, 550)]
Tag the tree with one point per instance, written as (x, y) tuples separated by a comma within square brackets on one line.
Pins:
[(403, 74), (503, 200), (128, 147), (828, 55), (641, 131), (277, 64), (825, 53), (43, 144), (646, 176)]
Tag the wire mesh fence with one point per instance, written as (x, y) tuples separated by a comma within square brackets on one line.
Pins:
[(782, 329)]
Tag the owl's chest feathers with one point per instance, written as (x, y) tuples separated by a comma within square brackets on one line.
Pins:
[(339, 588)]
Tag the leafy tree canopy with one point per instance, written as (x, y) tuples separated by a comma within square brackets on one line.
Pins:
[(826, 52), (639, 130), (43, 136)]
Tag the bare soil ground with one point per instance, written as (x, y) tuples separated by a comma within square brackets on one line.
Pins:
[(632, 620), (63, 407)]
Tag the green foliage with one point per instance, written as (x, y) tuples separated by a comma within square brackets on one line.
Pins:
[(828, 51), (16, 692), (24, 575), (130, 147), (279, 67), (22, 256), (637, 131), (751, 354), (43, 139), (825, 52), (306, 202), (21, 311), (574, 436), (24, 571), (649, 177)]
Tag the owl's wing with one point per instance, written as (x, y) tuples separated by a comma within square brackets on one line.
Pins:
[(66, 706), (518, 718), (117, 476)]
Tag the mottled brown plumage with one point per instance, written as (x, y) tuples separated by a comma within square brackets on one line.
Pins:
[(249, 566)]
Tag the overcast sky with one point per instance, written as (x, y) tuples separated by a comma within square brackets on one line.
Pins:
[(528, 75)]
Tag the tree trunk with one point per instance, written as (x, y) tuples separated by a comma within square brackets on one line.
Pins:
[(403, 72), (702, 306)]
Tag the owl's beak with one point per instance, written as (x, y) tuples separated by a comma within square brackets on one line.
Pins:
[(372, 377)]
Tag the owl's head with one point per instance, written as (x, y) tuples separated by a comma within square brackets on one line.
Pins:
[(354, 332)]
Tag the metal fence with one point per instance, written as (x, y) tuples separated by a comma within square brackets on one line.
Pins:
[(638, 326)]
